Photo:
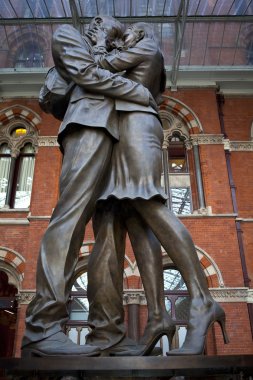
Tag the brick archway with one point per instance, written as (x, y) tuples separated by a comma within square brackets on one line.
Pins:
[(211, 269), (180, 110), (19, 112), (13, 263)]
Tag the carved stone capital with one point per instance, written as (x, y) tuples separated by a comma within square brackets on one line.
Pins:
[(134, 296), (48, 141), (25, 296), (188, 144)]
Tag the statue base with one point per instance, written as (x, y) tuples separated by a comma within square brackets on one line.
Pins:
[(100, 368)]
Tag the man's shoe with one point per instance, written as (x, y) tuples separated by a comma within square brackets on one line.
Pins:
[(58, 345), (128, 347)]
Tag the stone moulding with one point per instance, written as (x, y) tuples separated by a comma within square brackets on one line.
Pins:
[(137, 296), (232, 294), (241, 146), (195, 139), (211, 139), (207, 139), (47, 141)]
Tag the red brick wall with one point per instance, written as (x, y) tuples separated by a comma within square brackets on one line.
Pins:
[(215, 235)]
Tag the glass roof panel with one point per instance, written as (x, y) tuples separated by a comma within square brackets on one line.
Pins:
[(7, 11), (55, 9), (122, 8), (210, 41), (39, 8)]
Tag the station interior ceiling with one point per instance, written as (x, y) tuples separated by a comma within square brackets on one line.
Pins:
[(204, 42)]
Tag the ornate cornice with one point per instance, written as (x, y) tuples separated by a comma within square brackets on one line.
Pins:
[(134, 297), (210, 139), (207, 139), (241, 146), (25, 296), (232, 294), (47, 141), (137, 296)]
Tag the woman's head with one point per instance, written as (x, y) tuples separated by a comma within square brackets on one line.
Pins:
[(112, 28), (137, 32)]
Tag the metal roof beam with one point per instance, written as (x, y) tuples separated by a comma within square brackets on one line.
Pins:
[(127, 19), (179, 36)]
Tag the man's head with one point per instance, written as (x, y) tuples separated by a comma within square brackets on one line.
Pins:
[(112, 28), (137, 32)]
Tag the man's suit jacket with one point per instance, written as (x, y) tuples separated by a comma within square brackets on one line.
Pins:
[(92, 101)]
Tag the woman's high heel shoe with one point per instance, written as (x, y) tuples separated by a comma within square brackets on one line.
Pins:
[(199, 323), (154, 331)]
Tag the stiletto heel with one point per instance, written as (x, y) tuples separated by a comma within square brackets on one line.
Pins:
[(170, 336), (154, 331), (199, 322), (222, 323)]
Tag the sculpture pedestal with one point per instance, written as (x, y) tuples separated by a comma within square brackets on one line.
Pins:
[(98, 368)]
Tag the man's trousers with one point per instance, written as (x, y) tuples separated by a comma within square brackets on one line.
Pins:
[(87, 154)]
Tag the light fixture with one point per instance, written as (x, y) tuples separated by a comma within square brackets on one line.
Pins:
[(20, 131), (8, 311)]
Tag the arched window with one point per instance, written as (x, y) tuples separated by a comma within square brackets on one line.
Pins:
[(182, 178), (29, 55), (177, 302), (22, 186), (8, 315), (77, 326), (179, 176), (5, 164), (17, 157)]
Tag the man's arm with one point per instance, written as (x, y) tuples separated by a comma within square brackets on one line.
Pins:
[(75, 62)]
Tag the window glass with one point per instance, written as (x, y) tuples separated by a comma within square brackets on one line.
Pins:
[(25, 178), (179, 177), (77, 327), (173, 280), (177, 303), (181, 200), (30, 55), (5, 164), (79, 305)]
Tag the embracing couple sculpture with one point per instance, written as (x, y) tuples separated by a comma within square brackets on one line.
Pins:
[(111, 138)]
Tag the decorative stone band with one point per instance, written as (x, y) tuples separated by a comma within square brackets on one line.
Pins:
[(137, 296), (47, 141), (195, 139), (242, 146), (211, 139), (232, 294)]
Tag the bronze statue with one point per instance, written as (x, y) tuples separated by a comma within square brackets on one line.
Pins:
[(86, 136), (135, 181), (111, 140)]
